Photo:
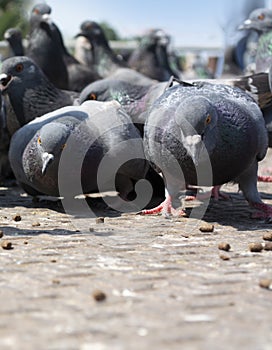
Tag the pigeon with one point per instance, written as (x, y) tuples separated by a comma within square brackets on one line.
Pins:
[(151, 57), (44, 47), (5, 170), (14, 37), (30, 94), (206, 135), (105, 61), (260, 20), (85, 149), (135, 99)]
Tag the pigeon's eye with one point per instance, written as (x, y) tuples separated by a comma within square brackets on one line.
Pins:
[(261, 17), (39, 140), (19, 67), (208, 120), (63, 146), (92, 96), (36, 11)]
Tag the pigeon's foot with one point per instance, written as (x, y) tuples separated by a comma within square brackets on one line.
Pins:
[(165, 208), (215, 194), (264, 211), (262, 178)]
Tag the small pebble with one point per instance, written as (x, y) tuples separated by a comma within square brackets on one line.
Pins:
[(99, 220), (224, 257), (255, 247), (6, 245), (36, 224), (268, 246), (224, 246), (206, 228), (266, 283), (17, 217), (267, 236), (55, 281), (25, 242), (98, 295), (1, 234), (91, 229)]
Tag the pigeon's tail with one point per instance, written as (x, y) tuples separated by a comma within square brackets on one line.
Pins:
[(257, 85)]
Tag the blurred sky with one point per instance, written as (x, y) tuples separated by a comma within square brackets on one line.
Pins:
[(189, 22)]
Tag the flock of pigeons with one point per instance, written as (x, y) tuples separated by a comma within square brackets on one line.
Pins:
[(94, 122)]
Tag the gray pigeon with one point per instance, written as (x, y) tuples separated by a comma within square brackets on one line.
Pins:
[(206, 135), (79, 149), (44, 47), (135, 99), (151, 56), (105, 61), (260, 20), (14, 37), (29, 91)]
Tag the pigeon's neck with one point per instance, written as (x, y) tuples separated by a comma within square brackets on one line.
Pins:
[(104, 59), (264, 52)]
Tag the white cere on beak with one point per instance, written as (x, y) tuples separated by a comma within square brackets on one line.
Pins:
[(46, 159)]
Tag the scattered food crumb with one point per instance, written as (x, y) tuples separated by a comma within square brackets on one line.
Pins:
[(267, 236), (266, 283), (25, 242), (268, 246), (224, 257), (6, 245), (56, 281), (35, 224), (91, 229), (53, 260), (1, 234), (99, 295), (224, 246), (17, 217), (100, 220), (206, 228), (255, 247)]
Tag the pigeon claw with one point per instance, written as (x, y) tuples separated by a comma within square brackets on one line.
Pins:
[(264, 211), (165, 208)]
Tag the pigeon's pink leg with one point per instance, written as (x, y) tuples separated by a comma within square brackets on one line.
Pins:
[(265, 211), (164, 208), (262, 178)]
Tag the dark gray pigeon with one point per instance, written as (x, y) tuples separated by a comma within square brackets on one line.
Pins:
[(151, 56), (105, 61), (260, 20), (79, 149), (206, 135), (29, 91), (44, 47), (135, 99), (15, 40)]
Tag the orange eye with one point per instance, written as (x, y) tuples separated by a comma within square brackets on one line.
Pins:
[(19, 67), (261, 17), (208, 119), (39, 140), (92, 96), (36, 11), (63, 146)]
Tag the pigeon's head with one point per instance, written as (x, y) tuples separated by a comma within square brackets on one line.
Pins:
[(259, 19), (197, 119), (37, 13), (19, 71), (93, 32), (50, 142), (13, 34)]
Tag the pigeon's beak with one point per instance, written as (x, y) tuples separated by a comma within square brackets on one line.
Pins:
[(194, 146), (4, 81), (246, 25), (47, 158)]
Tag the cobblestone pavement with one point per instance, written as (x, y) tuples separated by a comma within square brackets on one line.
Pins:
[(165, 284)]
